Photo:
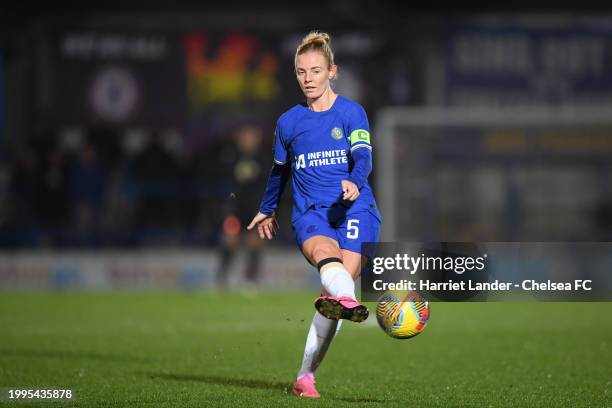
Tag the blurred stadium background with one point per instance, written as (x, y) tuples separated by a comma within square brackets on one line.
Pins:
[(135, 141)]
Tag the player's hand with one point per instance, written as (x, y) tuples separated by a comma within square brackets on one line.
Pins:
[(266, 225), (350, 190)]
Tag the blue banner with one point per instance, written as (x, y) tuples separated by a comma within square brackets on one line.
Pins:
[(521, 62)]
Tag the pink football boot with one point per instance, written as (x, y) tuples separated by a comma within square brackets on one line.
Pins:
[(305, 387), (341, 308)]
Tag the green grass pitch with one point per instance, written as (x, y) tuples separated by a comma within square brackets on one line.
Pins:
[(179, 349)]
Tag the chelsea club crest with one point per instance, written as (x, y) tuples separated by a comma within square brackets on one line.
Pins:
[(336, 133)]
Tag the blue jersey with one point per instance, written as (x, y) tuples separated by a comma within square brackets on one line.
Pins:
[(321, 148)]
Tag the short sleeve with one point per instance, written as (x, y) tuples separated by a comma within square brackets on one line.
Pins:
[(359, 129), (281, 154)]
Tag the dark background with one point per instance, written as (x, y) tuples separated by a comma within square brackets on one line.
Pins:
[(117, 120)]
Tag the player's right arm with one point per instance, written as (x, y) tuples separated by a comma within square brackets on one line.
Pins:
[(265, 220)]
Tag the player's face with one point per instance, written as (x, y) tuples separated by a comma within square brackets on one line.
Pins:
[(313, 73)]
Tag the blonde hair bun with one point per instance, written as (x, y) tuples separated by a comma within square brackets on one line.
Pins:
[(316, 41), (315, 37)]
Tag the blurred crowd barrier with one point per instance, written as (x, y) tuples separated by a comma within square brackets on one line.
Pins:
[(167, 269)]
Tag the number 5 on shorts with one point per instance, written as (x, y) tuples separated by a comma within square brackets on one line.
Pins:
[(352, 230)]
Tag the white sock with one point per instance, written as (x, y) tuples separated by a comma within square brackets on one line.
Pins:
[(322, 332), (338, 282)]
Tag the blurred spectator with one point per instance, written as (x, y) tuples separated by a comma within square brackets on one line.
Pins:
[(603, 219), (23, 185), (88, 179), (51, 197), (156, 172), (245, 162), (105, 138)]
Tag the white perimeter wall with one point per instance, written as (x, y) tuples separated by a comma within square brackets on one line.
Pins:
[(174, 269)]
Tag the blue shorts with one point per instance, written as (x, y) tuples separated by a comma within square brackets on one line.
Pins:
[(348, 228)]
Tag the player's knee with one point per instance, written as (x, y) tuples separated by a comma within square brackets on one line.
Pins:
[(324, 251)]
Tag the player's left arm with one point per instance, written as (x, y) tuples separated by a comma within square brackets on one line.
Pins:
[(361, 153)]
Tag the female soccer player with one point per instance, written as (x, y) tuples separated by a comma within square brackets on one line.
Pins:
[(324, 143)]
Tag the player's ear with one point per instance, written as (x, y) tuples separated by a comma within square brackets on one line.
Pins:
[(333, 71)]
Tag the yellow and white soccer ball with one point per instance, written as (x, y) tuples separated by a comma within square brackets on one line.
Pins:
[(402, 315)]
